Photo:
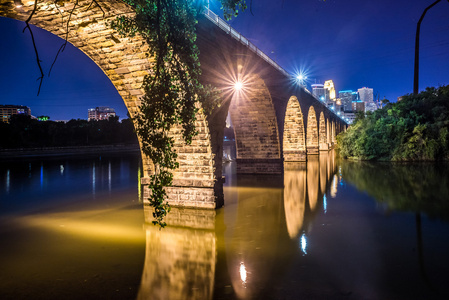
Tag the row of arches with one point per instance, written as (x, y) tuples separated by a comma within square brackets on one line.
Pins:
[(306, 135)]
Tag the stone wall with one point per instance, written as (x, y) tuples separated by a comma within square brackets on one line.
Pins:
[(294, 145), (322, 134), (312, 132)]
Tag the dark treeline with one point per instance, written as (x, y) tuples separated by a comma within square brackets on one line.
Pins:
[(414, 129), (25, 132)]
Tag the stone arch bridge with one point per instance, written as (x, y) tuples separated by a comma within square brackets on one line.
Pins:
[(274, 119)]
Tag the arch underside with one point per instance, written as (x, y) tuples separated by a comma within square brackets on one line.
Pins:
[(255, 127), (322, 134), (294, 146), (312, 132), (125, 63)]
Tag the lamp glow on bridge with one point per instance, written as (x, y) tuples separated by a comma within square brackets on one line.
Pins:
[(238, 85)]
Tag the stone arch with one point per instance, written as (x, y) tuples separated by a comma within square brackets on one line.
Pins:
[(322, 133), (312, 132), (333, 132), (125, 63), (294, 145), (256, 133)]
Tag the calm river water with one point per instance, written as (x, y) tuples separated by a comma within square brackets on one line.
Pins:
[(74, 228)]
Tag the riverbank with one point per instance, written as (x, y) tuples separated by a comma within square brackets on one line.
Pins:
[(67, 151)]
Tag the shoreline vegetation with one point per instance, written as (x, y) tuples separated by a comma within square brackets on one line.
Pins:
[(413, 129), (27, 137)]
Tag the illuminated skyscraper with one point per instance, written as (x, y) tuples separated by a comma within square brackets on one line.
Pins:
[(366, 94), (329, 86), (318, 91), (346, 99)]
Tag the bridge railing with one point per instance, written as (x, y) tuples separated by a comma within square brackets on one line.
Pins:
[(214, 18), (236, 35)]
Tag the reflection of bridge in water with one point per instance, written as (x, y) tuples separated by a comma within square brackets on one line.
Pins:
[(267, 218)]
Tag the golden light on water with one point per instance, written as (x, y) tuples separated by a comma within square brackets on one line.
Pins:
[(243, 273), (89, 225)]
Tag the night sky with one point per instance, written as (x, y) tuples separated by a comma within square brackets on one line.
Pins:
[(356, 43)]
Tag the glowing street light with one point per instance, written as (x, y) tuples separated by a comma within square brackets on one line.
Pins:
[(238, 85)]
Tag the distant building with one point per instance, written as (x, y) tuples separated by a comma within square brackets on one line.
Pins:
[(370, 106), (346, 98), (6, 111), (318, 91), (330, 90), (100, 113), (366, 94), (349, 116), (358, 106)]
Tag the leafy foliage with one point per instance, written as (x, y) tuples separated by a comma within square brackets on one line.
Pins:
[(416, 128)]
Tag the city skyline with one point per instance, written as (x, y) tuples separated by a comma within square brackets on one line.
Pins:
[(354, 44)]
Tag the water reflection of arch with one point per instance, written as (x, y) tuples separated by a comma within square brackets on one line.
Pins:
[(312, 132), (250, 261), (333, 132), (294, 146), (313, 177), (294, 196), (180, 259), (305, 183), (324, 157), (322, 133)]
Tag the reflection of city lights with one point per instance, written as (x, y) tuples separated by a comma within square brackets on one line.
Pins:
[(303, 242), (7, 181), (334, 186), (93, 178), (243, 273), (42, 175), (109, 177), (325, 204)]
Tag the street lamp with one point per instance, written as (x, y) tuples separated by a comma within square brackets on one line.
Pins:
[(418, 28), (238, 85)]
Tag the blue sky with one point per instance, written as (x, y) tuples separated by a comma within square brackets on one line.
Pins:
[(356, 43)]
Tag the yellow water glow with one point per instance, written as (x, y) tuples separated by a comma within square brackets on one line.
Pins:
[(90, 225), (243, 272)]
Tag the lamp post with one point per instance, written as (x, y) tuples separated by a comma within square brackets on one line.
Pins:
[(418, 28)]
